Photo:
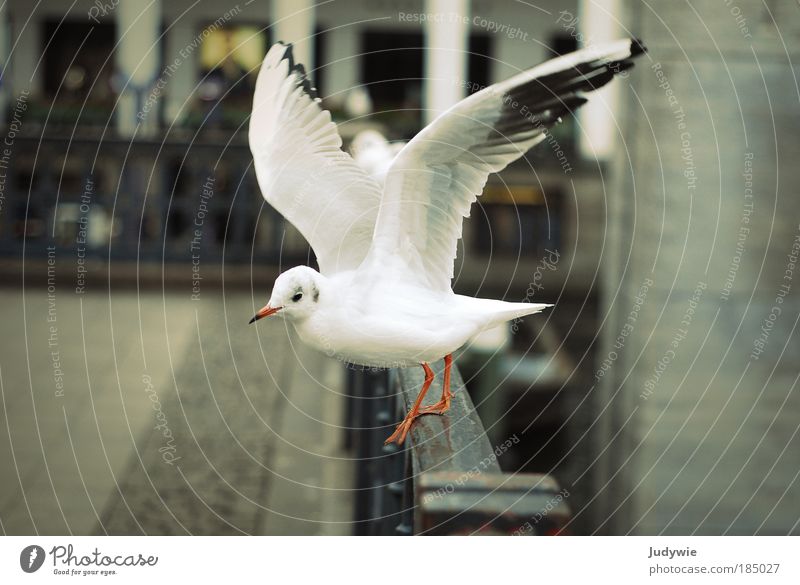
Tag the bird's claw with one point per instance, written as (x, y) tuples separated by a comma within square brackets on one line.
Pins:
[(439, 408), (399, 434)]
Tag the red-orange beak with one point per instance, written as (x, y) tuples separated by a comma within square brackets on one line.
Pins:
[(264, 312)]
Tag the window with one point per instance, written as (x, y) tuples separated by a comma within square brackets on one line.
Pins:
[(228, 58), (78, 60), (392, 69)]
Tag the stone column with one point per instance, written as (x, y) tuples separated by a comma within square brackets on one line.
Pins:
[(5, 61), (446, 41), (23, 74), (138, 63), (342, 73), (598, 134), (293, 22), (183, 77)]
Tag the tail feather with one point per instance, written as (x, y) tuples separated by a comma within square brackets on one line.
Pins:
[(517, 310), (493, 312)]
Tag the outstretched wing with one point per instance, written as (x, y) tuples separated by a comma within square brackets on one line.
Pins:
[(302, 170), (439, 174)]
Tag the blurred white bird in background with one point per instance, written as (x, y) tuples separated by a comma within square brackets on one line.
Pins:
[(374, 153), (357, 102), (383, 297)]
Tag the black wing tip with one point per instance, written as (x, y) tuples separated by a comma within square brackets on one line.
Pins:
[(637, 47), (298, 68), (575, 102)]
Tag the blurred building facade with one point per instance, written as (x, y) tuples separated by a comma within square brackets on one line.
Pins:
[(173, 74)]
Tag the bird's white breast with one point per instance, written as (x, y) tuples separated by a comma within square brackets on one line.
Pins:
[(386, 326)]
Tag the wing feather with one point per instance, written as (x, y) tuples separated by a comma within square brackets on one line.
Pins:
[(434, 180), (302, 170)]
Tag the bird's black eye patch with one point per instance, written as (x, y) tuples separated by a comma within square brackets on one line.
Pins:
[(297, 297)]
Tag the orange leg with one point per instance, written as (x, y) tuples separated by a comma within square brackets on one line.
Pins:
[(399, 435), (444, 402)]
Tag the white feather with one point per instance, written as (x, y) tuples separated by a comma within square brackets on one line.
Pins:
[(302, 171)]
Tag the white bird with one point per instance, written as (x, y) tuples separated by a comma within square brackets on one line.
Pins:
[(373, 153), (382, 297)]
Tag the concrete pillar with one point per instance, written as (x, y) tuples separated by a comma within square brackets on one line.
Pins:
[(182, 79), (598, 133), (446, 41), (24, 74), (341, 46), (138, 63), (6, 88), (698, 354), (599, 137), (293, 22)]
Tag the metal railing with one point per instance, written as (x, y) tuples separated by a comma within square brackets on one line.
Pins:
[(446, 479)]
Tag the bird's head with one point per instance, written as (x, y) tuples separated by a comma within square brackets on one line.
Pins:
[(296, 294)]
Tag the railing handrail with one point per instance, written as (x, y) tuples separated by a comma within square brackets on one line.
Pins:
[(454, 442), (447, 479)]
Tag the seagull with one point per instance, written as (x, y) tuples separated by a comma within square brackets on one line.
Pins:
[(374, 153), (382, 296)]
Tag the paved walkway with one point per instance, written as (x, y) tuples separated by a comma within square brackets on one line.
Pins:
[(161, 415)]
